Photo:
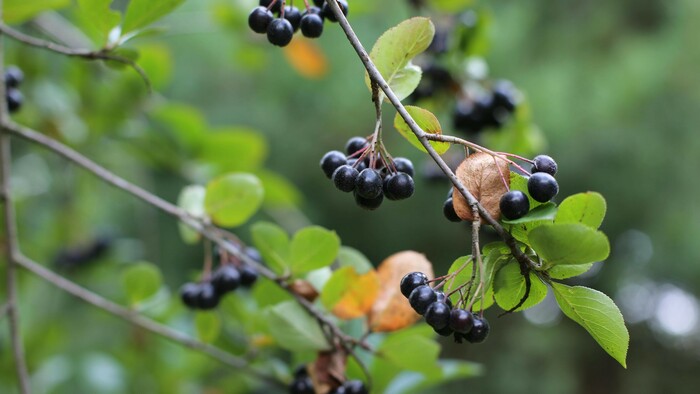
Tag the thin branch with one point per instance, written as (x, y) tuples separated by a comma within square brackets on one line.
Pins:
[(376, 76), (102, 54), (144, 322)]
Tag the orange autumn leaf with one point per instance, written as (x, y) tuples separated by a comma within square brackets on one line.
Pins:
[(350, 295), (391, 310), (306, 58)]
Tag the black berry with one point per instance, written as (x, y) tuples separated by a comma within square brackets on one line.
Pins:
[(544, 163), (442, 297), (280, 32), (369, 184), (369, 203), (444, 332), (253, 254), (311, 25), (331, 161), (421, 298), (14, 100), (504, 96), (259, 19), (399, 186), (448, 210), (461, 320), (344, 178), (412, 280), (319, 3), (13, 77), (468, 117), (189, 293), (479, 331), (355, 144), (360, 166), (542, 186), (438, 315), (293, 15), (225, 279), (302, 385), (404, 165), (249, 275), (328, 14), (514, 205), (207, 298), (275, 8), (354, 387)]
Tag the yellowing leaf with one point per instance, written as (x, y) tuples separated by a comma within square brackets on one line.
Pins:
[(350, 295), (487, 179), (426, 121), (391, 311), (306, 58)]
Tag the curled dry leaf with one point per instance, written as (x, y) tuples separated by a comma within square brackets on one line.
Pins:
[(391, 311), (487, 179), (328, 371), (304, 289)]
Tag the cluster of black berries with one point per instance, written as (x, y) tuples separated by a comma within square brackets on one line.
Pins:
[(227, 278), (541, 185), (369, 178), (302, 384), (437, 309), (13, 78), (490, 110), (289, 19), (435, 78)]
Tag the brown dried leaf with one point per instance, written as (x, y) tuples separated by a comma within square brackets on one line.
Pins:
[(391, 310), (487, 179), (304, 289), (328, 371)]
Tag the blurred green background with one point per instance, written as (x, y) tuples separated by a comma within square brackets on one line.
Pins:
[(614, 87)]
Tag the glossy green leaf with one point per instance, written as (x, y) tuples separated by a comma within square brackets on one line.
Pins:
[(393, 51), (313, 248), (569, 243), (191, 199), (492, 261), (17, 11), (350, 257), (509, 288), (141, 13), (207, 326), (141, 281), (273, 243), (585, 208), (427, 122), (544, 212), (411, 352), (279, 191), (267, 293), (568, 271), (232, 199), (100, 15), (234, 149), (599, 315), (294, 329)]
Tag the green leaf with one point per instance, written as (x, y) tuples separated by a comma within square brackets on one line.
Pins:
[(294, 329), (232, 199), (393, 51), (273, 243), (279, 191), (599, 315), (100, 15), (17, 11), (545, 212), (569, 243), (492, 261), (141, 281), (208, 326), (568, 271), (141, 13), (450, 6), (191, 200), (410, 352), (509, 288), (585, 208), (234, 149), (449, 371), (313, 248), (427, 122), (351, 257), (184, 124)]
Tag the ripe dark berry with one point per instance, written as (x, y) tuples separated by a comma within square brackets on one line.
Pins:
[(302, 385), (280, 32), (14, 100), (344, 178), (438, 315), (253, 254), (412, 280), (461, 320), (355, 144), (368, 203), (225, 279), (542, 186), (504, 96), (442, 297), (445, 332), (311, 25), (13, 77), (514, 205), (319, 3), (421, 298), (301, 372), (404, 165), (331, 161), (354, 387), (399, 186), (275, 8), (189, 293), (359, 166), (544, 163), (208, 298), (328, 14), (479, 331), (293, 15), (368, 184), (448, 210), (468, 117), (259, 19), (249, 275)]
